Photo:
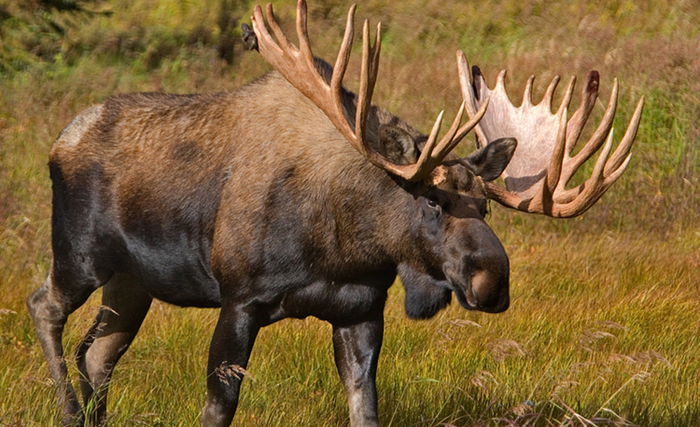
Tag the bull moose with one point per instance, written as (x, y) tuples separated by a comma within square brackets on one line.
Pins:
[(294, 197)]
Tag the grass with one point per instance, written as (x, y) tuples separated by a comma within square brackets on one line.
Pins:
[(603, 327)]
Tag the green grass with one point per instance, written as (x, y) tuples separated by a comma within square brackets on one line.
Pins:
[(603, 328)]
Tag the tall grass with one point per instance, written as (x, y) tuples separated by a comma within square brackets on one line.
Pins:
[(603, 327)]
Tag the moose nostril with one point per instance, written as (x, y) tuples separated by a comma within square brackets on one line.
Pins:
[(491, 290)]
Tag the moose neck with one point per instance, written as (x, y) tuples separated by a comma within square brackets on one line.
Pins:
[(317, 181)]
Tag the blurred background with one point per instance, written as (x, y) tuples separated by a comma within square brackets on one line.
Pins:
[(603, 327)]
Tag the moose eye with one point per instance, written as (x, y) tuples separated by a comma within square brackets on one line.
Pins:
[(432, 203)]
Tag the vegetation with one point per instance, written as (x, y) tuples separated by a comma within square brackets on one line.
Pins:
[(603, 328)]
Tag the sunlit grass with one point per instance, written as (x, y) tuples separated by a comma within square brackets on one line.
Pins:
[(603, 332), (603, 325)]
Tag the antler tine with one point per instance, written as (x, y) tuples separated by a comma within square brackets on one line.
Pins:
[(425, 162), (623, 149), (556, 163), (473, 120), (567, 95), (341, 63), (465, 83), (449, 138), (599, 168), (591, 190), (600, 133), (549, 94), (460, 133), (368, 77), (302, 31), (262, 34), (589, 94), (610, 179), (432, 138), (501, 79), (279, 34), (527, 93)]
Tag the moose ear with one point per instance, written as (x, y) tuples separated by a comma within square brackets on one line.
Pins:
[(490, 161), (397, 145)]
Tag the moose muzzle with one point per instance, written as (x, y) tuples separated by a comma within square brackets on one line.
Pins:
[(480, 277)]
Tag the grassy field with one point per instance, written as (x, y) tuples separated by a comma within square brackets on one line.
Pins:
[(603, 327)]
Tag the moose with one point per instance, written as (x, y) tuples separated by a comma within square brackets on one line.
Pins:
[(293, 197)]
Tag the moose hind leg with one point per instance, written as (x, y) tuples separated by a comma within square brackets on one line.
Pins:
[(124, 306), (50, 306)]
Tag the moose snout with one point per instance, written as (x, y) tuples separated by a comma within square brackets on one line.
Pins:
[(480, 278)]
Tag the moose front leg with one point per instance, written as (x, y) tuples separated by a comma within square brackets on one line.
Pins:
[(228, 357), (356, 354)]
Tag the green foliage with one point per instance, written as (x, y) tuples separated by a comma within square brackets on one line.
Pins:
[(34, 31), (603, 327), (51, 31)]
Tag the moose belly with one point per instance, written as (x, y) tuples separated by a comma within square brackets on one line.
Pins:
[(176, 272), (338, 302)]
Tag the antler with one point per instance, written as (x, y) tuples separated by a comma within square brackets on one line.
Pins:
[(297, 65), (543, 164)]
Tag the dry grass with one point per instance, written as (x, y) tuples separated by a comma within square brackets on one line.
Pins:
[(603, 328)]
